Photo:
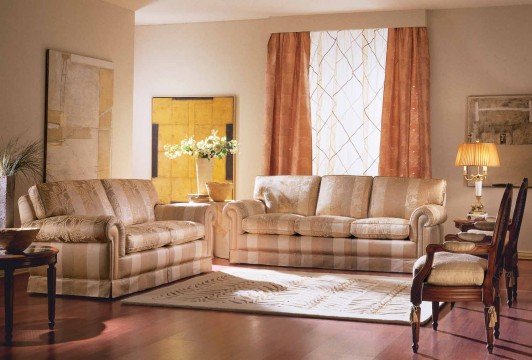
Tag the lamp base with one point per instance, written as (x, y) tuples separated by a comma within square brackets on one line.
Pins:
[(477, 208)]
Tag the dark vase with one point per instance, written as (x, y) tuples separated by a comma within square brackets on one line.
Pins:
[(7, 201)]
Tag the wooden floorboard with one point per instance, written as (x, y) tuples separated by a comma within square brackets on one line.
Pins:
[(103, 329)]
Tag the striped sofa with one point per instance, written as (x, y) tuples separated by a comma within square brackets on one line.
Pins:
[(114, 238), (337, 222)]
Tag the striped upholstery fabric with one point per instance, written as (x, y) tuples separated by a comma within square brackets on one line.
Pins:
[(198, 213), (133, 201), (322, 261), (152, 235), (381, 228), (324, 226), (310, 245), (68, 286), (236, 211), (344, 195), (398, 197), (81, 197), (450, 269), (288, 194), (281, 224)]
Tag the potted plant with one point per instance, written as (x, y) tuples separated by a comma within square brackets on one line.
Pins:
[(16, 159), (203, 151)]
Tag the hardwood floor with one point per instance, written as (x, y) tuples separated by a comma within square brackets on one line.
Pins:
[(102, 329)]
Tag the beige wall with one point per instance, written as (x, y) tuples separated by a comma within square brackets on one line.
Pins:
[(224, 58), (484, 51), (86, 27)]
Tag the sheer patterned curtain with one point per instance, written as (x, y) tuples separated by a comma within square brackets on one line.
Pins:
[(347, 71)]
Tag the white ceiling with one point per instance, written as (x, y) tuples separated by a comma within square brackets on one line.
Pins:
[(151, 12)]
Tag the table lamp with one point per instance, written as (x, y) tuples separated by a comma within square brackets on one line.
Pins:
[(480, 155)]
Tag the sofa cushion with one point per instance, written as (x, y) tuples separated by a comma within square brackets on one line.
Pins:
[(398, 197), (344, 195), (324, 226), (80, 197), (274, 224), (450, 269), (155, 234), (133, 200), (288, 194), (381, 228)]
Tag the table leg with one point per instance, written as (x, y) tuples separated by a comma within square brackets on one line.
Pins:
[(8, 298), (51, 295)]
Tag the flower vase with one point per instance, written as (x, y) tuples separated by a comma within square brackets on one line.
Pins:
[(203, 174), (7, 201)]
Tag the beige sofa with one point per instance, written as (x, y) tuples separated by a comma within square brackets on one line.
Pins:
[(337, 222), (114, 238)]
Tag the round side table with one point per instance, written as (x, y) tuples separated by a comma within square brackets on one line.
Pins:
[(33, 256)]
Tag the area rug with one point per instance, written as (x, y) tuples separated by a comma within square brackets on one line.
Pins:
[(302, 294)]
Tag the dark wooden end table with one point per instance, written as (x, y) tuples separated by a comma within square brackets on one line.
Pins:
[(464, 224), (33, 256)]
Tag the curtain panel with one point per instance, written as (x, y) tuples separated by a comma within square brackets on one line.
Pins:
[(288, 144), (405, 129)]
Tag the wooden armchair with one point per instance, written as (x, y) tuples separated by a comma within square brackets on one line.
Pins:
[(454, 271)]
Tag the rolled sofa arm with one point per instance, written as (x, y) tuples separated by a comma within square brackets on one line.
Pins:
[(425, 226), (241, 209), (200, 213), (79, 229)]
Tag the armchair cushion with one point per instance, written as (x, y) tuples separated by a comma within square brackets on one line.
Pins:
[(274, 224), (485, 225), (152, 235), (288, 194), (471, 236), (344, 195), (80, 197), (324, 226), (133, 201), (450, 269), (381, 228)]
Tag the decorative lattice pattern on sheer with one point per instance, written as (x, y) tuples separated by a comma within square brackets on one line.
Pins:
[(346, 91)]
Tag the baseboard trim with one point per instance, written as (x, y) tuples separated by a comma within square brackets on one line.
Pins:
[(525, 255)]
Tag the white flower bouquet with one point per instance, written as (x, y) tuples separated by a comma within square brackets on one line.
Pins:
[(213, 146)]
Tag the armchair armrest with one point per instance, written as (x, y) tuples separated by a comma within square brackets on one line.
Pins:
[(78, 229), (425, 226), (196, 212), (241, 209)]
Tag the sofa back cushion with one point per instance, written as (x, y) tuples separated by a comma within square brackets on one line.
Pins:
[(344, 195), (398, 197), (77, 197), (133, 200), (288, 193)]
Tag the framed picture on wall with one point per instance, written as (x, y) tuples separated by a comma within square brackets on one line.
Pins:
[(505, 120)]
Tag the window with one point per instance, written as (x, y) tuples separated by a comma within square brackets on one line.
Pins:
[(346, 93)]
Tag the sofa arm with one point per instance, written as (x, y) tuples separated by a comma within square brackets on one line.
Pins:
[(429, 215), (241, 209), (78, 229), (197, 212), (426, 226)]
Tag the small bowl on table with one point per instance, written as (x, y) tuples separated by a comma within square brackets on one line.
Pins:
[(15, 240), (219, 191)]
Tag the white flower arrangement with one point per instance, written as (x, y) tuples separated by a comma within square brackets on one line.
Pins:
[(212, 146)]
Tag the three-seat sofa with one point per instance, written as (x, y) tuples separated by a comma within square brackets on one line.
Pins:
[(337, 222), (114, 238)]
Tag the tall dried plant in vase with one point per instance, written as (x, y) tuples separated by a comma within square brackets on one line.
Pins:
[(17, 158)]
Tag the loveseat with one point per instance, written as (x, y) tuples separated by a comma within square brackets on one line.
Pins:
[(114, 238), (337, 222)]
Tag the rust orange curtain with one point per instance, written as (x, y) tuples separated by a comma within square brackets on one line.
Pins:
[(288, 141), (405, 126)]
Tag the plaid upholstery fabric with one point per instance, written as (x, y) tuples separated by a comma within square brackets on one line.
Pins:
[(324, 226), (312, 245), (398, 197), (141, 237), (344, 195), (322, 261), (80, 197), (281, 224), (381, 228), (288, 193), (133, 201), (450, 269)]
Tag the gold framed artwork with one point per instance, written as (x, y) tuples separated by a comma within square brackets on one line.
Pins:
[(505, 120), (79, 112), (177, 118)]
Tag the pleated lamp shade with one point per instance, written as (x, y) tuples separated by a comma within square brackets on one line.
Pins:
[(477, 154)]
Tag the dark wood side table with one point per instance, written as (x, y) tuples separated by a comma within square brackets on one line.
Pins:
[(464, 224), (33, 256)]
